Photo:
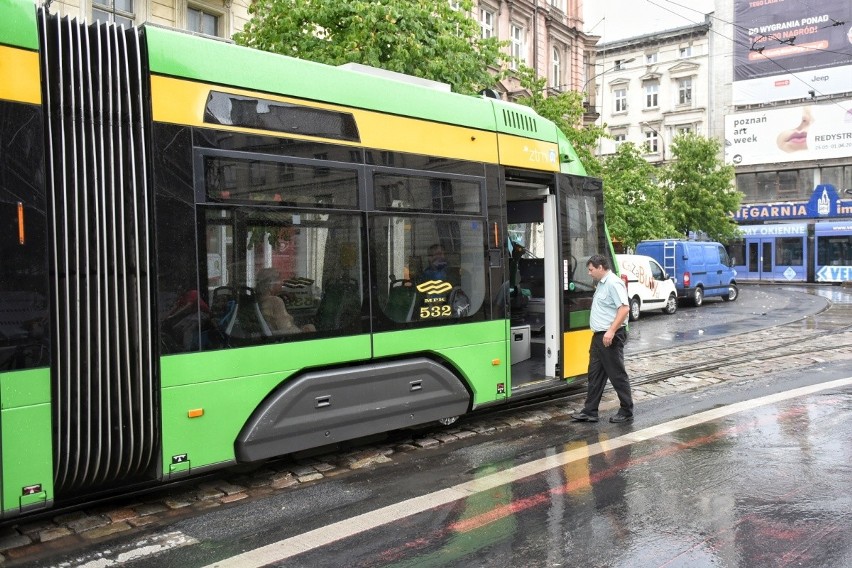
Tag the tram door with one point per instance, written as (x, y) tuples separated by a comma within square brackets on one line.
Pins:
[(534, 283), (760, 253)]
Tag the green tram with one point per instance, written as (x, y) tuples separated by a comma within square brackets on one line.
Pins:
[(212, 255)]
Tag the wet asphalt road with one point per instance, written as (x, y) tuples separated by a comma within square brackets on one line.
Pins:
[(758, 306), (765, 486)]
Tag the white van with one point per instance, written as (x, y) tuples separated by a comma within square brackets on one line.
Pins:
[(648, 285)]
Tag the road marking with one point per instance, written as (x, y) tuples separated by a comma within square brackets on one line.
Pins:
[(311, 540)]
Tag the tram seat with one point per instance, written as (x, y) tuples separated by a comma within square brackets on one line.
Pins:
[(238, 313), (402, 297), (531, 272), (340, 305)]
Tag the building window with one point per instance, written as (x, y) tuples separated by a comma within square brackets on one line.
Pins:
[(557, 4), (517, 45), (619, 64), (199, 21), (455, 5), (113, 11), (650, 58), (556, 78), (652, 94), (685, 51), (684, 91), (620, 96), (652, 142), (486, 22), (619, 139), (686, 129)]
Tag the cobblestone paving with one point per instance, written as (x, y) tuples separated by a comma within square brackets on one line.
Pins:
[(766, 352)]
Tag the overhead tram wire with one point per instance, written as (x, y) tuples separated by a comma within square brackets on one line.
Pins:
[(742, 28), (747, 46)]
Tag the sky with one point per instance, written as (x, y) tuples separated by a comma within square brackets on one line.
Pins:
[(619, 19)]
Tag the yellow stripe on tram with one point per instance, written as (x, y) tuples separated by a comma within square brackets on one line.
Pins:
[(182, 102), (20, 79)]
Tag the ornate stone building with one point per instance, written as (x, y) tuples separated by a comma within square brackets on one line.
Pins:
[(543, 34), (546, 35), (650, 88), (221, 18)]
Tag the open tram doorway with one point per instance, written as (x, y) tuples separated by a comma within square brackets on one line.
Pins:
[(533, 284)]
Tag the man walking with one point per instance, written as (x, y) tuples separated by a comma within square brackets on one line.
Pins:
[(606, 355)]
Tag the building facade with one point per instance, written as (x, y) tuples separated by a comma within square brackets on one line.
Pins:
[(219, 18), (784, 90), (545, 35), (650, 88)]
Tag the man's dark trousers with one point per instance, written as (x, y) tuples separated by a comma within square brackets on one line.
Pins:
[(608, 362)]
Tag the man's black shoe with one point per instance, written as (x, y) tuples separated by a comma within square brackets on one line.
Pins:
[(583, 417), (619, 418)]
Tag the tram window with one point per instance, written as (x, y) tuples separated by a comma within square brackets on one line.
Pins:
[(834, 251), (274, 145), (427, 269), (264, 114), (24, 317), (24, 296), (430, 194), (273, 276), (788, 251), (279, 183)]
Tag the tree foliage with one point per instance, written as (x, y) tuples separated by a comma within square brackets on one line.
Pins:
[(566, 110), (427, 39), (700, 193), (634, 200)]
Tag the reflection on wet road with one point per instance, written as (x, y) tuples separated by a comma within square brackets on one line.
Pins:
[(763, 482)]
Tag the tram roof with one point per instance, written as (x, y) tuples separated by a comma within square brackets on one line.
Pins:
[(180, 54)]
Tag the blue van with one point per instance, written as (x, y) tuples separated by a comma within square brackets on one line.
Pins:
[(700, 268)]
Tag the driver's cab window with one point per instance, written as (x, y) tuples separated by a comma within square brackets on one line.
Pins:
[(582, 213), (657, 272), (581, 225)]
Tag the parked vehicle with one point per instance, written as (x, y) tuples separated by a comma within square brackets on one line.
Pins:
[(648, 285), (700, 268)]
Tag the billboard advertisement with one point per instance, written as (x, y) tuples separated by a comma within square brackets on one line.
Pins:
[(790, 134), (784, 49)]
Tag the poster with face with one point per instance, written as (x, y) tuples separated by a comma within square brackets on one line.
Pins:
[(804, 132)]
